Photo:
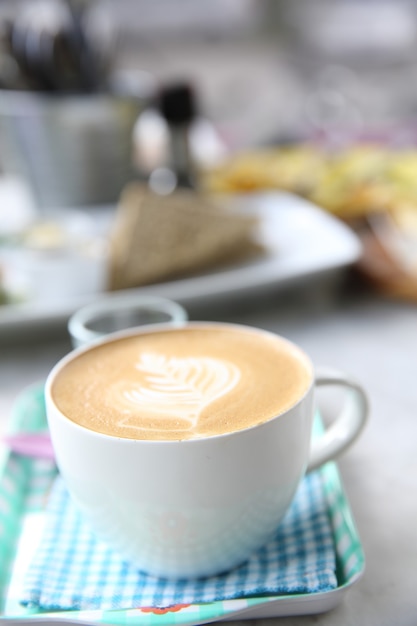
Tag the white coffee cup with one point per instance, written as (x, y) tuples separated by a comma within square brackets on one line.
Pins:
[(197, 507)]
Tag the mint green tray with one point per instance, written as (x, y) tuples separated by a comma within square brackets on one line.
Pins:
[(24, 486)]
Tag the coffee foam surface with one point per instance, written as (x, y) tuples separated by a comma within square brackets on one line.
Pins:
[(182, 384)]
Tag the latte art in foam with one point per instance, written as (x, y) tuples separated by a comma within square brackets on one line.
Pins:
[(169, 387), (200, 380)]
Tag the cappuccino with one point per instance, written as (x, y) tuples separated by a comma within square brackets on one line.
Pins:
[(191, 382)]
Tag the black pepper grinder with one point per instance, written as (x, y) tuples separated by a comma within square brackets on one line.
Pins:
[(177, 105)]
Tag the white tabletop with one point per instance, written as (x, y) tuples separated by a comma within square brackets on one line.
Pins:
[(374, 339)]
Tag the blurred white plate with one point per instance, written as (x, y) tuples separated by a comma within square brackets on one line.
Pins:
[(302, 241)]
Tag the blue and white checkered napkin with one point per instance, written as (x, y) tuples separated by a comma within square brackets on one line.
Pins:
[(72, 569)]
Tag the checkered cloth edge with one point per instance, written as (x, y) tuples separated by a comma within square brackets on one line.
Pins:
[(72, 569)]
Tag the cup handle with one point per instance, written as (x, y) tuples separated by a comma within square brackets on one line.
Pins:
[(347, 426)]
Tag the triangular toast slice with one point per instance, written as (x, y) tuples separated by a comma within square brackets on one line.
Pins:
[(157, 238)]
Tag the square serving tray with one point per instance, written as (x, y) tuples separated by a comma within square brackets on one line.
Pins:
[(24, 488)]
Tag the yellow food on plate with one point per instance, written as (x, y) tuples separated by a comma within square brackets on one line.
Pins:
[(291, 168), (350, 183)]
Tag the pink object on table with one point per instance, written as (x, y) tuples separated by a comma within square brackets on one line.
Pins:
[(35, 445)]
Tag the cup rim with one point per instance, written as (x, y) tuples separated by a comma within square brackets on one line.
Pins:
[(164, 327)]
